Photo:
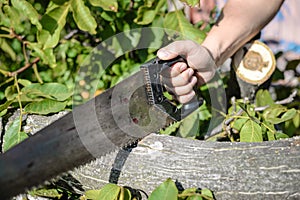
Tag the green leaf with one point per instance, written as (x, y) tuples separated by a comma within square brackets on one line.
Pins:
[(177, 22), (46, 55), (189, 127), (82, 16), (50, 193), (13, 135), (3, 112), (7, 49), (5, 105), (237, 124), (263, 98), (53, 22), (251, 132), (273, 111), (92, 194), (28, 10), (204, 112), (271, 136), (165, 191), (191, 2), (45, 107), (296, 119), (59, 2), (111, 5), (208, 193), (10, 93), (195, 197), (109, 192), (14, 17), (54, 91), (24, 82), (285, 117), (127, 194), (280, 135), (147, 12), (170, 129), (145, 15)]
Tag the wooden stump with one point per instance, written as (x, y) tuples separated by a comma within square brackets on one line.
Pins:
[(267, 170)]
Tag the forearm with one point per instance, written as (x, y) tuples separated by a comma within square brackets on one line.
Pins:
[(239, 21)]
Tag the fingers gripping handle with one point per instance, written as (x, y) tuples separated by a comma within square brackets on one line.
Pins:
[(155, 88)]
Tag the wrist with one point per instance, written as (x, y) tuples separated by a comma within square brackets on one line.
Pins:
[(213, 48)]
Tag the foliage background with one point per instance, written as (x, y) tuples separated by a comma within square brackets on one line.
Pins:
[(43, 44)]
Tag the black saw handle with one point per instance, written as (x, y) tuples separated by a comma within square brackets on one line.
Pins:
[(154, 88)]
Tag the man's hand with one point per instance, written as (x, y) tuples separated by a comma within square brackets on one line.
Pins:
[(180, 78)]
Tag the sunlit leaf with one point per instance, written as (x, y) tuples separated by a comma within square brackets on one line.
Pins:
[(263, 98), (55, 91), (274, 111), (296, 119), (28, 10), (165, 191), (44, 192), (285, 117), (207, 193), (147, 12), (111, 5), (189, 127), (45, 107), (280, 135), (145, 15), (177, 21), (109, 192), (13, 135), (170, 129), (83, 17), (238, 123), (127, 194), (10, 92), (271, 136), (195, 197), (24, 82), (251, 132), (92, 194), (52, 22)]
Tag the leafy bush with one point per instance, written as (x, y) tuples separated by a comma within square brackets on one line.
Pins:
[(44, 44)]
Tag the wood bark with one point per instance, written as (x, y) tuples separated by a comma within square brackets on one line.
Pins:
[(267, 170)]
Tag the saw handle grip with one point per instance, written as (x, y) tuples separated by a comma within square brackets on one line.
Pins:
[(196, 101), (155, 89)]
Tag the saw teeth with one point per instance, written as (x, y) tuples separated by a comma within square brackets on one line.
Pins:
[(148, 85)]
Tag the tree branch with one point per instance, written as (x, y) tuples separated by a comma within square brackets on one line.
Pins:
[(26, 66)]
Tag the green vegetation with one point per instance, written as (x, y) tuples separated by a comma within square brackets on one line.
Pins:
[(48, 63)]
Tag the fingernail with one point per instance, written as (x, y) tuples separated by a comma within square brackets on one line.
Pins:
[(182, 67), (163, 54), (191, 72)]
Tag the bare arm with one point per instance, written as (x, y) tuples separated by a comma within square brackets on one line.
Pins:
[(239, 21)]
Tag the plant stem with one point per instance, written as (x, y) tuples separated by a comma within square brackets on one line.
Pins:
[(20, 105), (27, 65), (37, 73), (6, 36), (5, 29), (7, 81)]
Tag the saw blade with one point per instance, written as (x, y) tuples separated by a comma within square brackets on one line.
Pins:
[(116, 118)]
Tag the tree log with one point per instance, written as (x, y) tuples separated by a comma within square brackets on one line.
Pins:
[(267, 170)]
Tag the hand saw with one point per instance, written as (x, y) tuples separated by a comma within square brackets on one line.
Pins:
[(114, 119)]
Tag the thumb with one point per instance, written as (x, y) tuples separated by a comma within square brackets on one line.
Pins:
[(182, 47)]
